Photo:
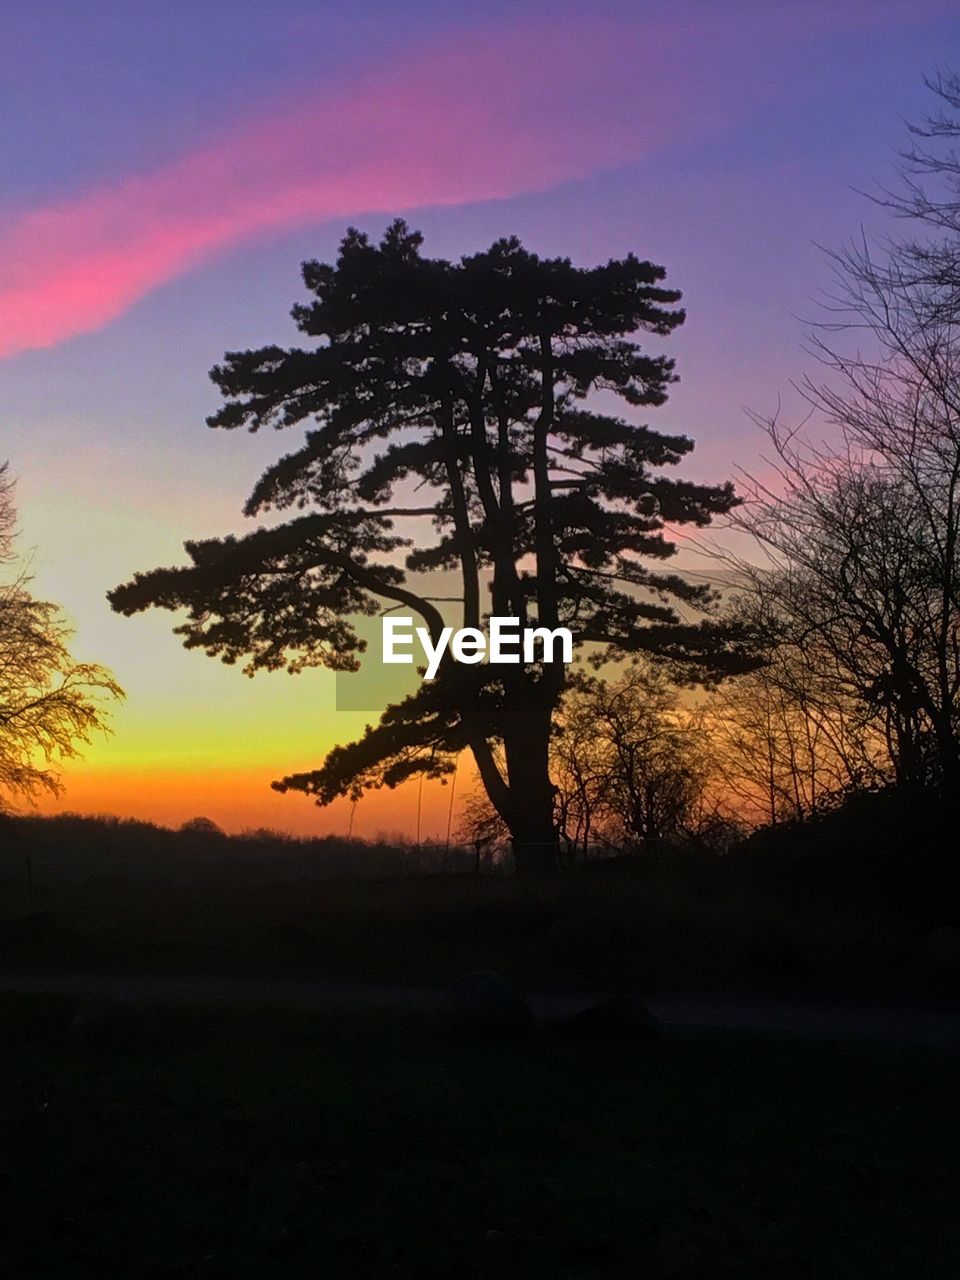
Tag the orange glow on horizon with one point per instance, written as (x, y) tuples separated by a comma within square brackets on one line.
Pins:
[(241, 799)]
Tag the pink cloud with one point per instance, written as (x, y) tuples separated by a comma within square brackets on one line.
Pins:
[(487, 119), (492, 116)]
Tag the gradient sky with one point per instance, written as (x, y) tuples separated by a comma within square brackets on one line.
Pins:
[(166, 168)]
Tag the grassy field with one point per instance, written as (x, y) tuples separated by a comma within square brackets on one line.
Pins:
[(236, 1143), (651, 932)]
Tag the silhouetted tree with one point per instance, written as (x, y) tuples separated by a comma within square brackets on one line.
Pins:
[(580, 768), (865, 580), (864, 530), (202, 826), (49, 704), (450, 399), (798, 733), (924, 265), (649, 752), (482, 828)]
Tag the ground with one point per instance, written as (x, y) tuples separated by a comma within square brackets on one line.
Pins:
[(654, 932), (235, 1142)]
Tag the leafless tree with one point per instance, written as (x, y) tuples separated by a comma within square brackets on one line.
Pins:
[(580, 769), (641, 765), (793, 736), (864, 531), (49, 704), (482, 828)]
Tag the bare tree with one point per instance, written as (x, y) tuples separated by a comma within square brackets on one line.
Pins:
[(49, 704), (580, 769), (483, 829), (644, 755), (864, 532), (793, 736)]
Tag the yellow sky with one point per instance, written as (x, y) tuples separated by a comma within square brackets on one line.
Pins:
[(193, 736)]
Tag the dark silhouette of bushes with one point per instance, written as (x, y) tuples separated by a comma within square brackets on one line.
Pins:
[(72, 847), (896, 845)]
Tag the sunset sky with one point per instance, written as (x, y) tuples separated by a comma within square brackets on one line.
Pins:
[(166, 168)]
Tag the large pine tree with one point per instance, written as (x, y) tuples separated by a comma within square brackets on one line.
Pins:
[(458, 398)]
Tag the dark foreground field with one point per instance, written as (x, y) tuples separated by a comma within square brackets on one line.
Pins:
[(651, 933), (837, 909), (261, 1143)]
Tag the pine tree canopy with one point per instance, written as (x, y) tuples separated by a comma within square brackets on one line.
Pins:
[(458, 416)]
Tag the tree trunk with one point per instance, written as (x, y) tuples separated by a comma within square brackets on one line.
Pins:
[(533, 829), (536, 856), (531, 815), (947, 749)]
